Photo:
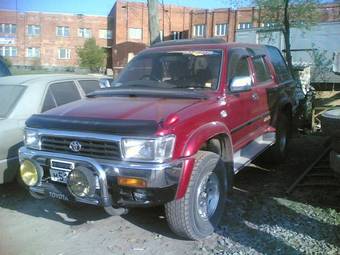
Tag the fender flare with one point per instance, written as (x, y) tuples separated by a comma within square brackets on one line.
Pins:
[(194, 143)]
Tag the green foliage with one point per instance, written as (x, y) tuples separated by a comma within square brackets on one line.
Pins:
[(322, 65), (301, 13), (91, 55)]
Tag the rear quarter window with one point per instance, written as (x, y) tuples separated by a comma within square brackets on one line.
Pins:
[(65, 92), (279, 64), (89, 86)]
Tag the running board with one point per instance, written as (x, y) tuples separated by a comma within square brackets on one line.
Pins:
[(245, 155)]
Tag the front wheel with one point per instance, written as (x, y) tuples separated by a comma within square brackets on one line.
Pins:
[(197, 214)]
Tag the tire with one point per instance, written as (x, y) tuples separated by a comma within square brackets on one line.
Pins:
[(185, 216), (278, 152), (336, 142)]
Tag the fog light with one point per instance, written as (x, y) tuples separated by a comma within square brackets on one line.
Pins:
[(81, 182), (132, 182), (29, 173)]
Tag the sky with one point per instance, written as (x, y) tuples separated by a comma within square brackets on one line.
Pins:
[(100, 7)]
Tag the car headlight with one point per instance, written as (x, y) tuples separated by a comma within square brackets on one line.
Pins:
[(32, 139), (155, 150)]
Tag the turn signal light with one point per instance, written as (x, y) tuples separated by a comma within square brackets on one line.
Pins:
[(132, 182)]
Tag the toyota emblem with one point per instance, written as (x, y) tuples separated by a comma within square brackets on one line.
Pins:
[(75, 146)]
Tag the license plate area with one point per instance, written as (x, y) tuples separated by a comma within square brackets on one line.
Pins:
[(60, 169)]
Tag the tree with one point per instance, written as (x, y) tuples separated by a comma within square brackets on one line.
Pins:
[(91, 55), (282, 15)]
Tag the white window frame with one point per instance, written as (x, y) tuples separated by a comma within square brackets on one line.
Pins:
[(244, 25), (67, 53), (177, 35), (221, 29), (8, 51), (35, 29), (63, 30), (33, 52), (135, 33), (105, 34), (199, 30), (11, 28), (84, 32)]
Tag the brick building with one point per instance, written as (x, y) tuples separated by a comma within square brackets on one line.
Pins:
[(51, 39)]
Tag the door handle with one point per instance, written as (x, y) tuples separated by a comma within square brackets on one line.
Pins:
[(255, 97)]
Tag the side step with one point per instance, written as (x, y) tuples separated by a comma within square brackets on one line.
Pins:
[(245, 155)]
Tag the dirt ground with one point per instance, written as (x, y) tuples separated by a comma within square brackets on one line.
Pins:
[(260, 219)]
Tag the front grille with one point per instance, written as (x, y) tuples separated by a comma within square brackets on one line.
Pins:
[(89, 148)]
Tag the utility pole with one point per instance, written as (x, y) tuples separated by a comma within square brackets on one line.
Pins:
[(153, 21)]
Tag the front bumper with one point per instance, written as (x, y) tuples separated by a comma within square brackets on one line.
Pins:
[(161, 179)]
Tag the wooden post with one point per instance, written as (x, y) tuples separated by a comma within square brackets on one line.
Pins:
[(153, 21)]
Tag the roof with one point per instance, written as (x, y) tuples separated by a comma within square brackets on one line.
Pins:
[(41, 78)]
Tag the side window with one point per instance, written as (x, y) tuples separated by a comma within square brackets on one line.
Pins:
[(49, 101), (279, 64), (239, 68), (89, 85), (261, 70), (65, 92)]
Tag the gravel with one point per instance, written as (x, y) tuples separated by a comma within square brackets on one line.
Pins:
[(260, 219)]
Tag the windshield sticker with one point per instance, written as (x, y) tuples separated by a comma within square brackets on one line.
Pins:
[(197, 53)]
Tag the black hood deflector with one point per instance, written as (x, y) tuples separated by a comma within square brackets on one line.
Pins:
[(81, 124)]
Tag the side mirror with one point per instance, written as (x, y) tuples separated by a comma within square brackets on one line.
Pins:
[(240, 83)]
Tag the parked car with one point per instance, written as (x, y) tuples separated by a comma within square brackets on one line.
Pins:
[(4, 70), (183, 118), (22, 96)]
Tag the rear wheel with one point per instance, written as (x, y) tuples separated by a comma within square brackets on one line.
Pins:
[(196, 215), (278, 151)]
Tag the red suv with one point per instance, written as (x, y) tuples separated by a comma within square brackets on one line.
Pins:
[(180, 120)]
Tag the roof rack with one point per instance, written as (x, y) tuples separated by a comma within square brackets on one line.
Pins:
[(188, 41)]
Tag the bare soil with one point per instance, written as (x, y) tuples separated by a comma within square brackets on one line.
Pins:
[(260, 219)]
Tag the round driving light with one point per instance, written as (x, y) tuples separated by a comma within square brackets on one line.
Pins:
[(29, 173), (81, 182)]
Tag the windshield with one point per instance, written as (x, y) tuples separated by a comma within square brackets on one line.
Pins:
[(9, 96), (174, 69)]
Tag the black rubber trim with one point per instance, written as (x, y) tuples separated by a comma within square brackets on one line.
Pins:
[(68, 123), (249, 122)]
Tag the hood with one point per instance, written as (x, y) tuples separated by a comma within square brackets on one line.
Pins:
[(123, 108)]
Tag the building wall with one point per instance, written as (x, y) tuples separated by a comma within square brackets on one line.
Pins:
[(48, 41)]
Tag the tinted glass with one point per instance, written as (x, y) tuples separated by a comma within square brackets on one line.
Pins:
[(89, 85), (49, 101), (279, 64), (174, 69), (261, 70), (9, 96), (65, 92)]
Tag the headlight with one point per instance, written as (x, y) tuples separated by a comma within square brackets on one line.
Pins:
[(32, 139), (156, 150)]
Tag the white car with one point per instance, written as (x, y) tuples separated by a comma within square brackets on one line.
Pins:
[(24, 95)]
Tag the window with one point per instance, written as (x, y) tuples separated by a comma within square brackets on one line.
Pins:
[(8, 28), (268, 24), (279, 64), (89, 85), (221, 29), (105, 34), (199, 30), (177, 35), (64, 53), (49, 102), (32, 52), (64, 92), (63, 31), (33, 30), (245, 25), (135, 33), (240, 68), (84, 32), (8, 51), (261, 71)]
